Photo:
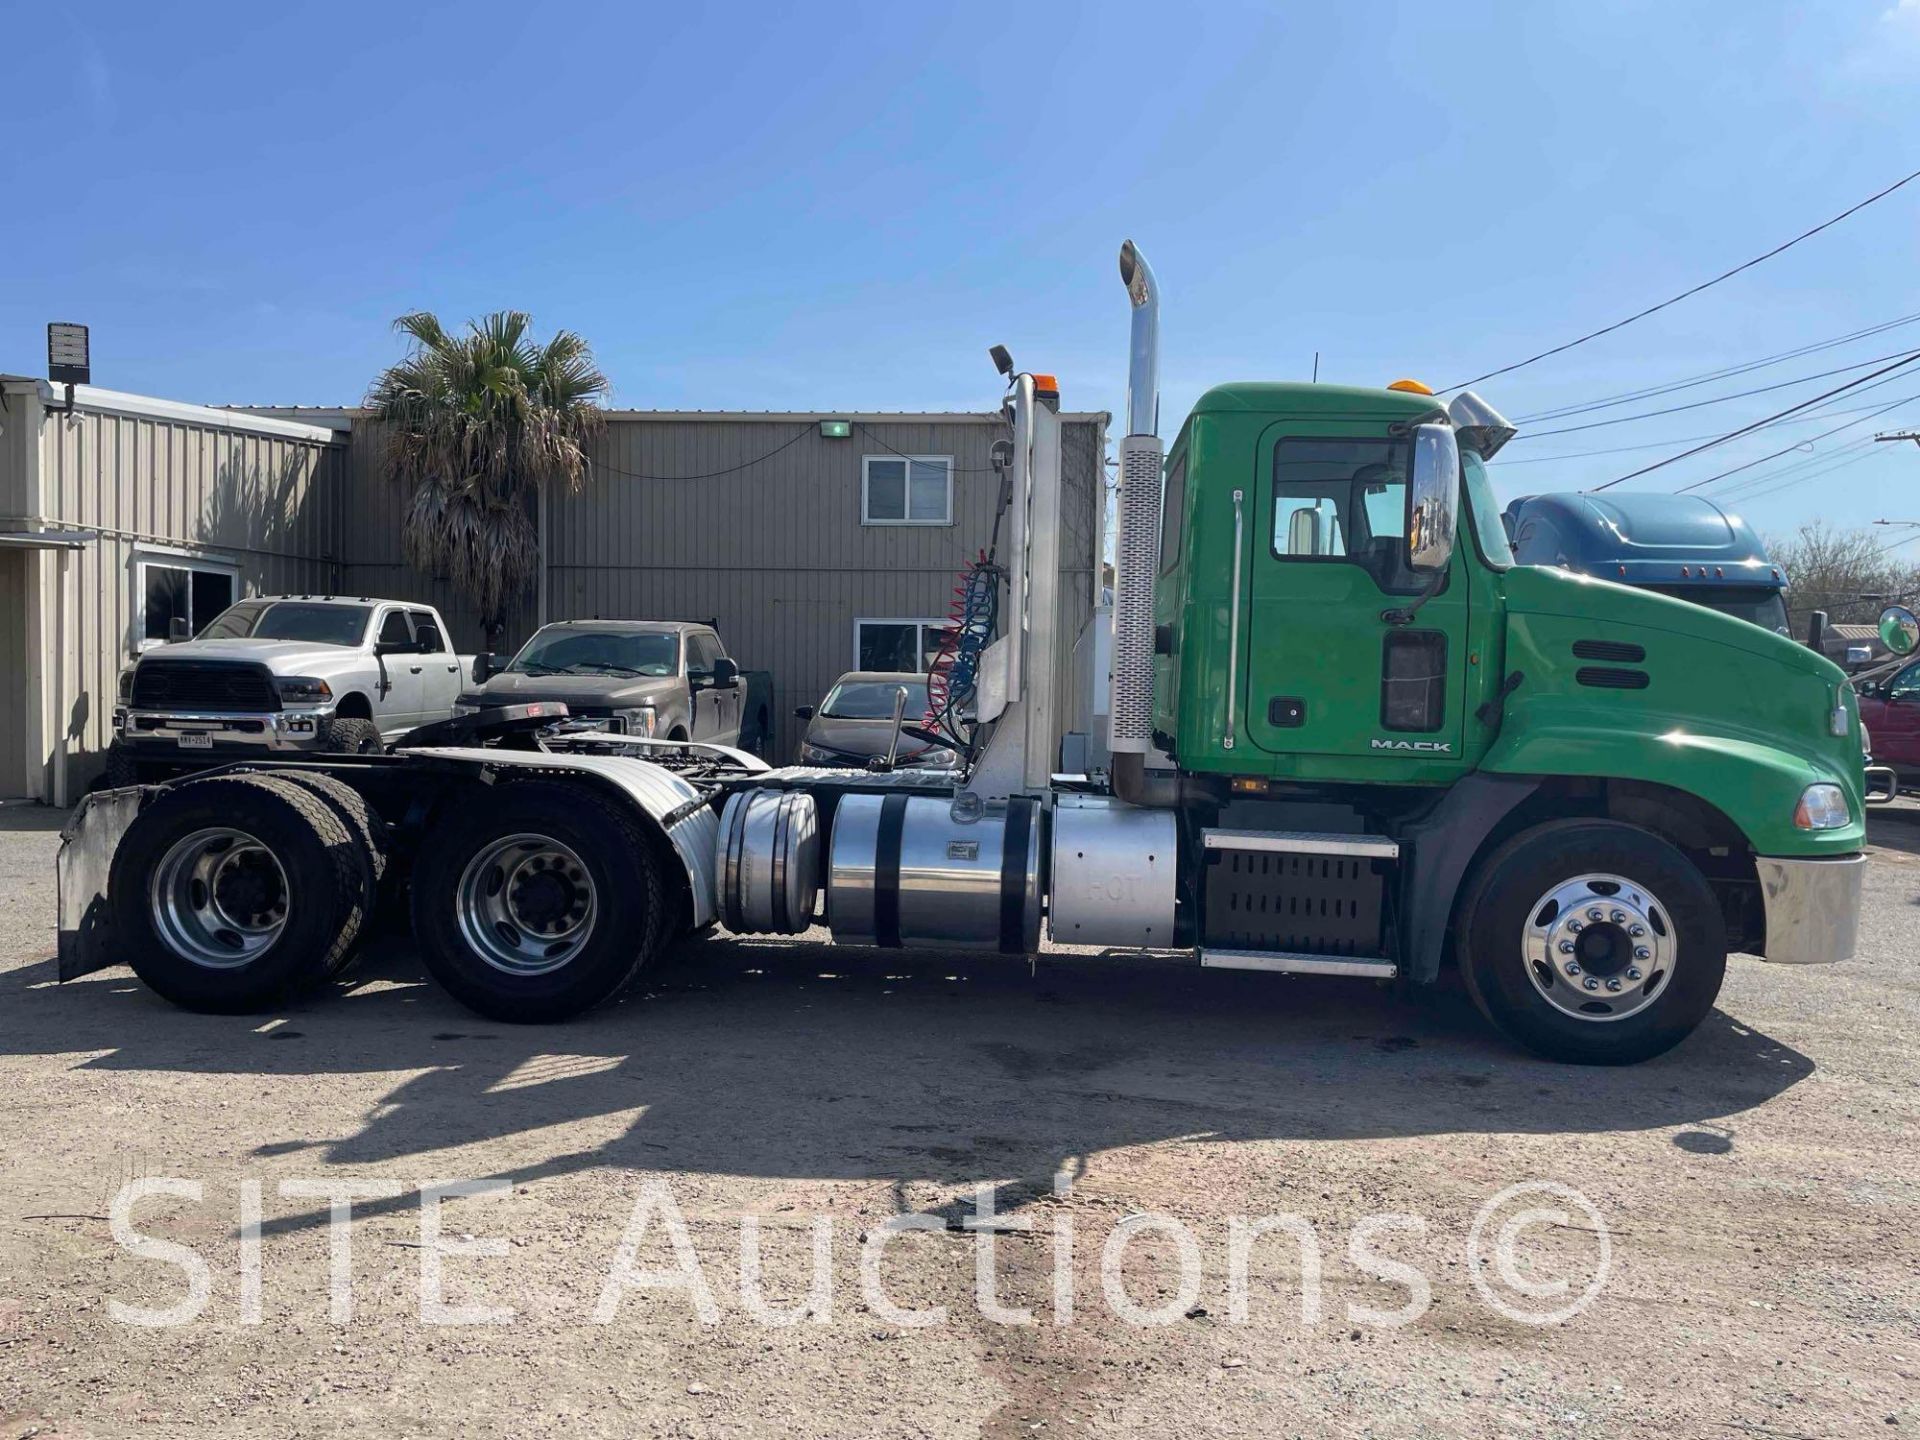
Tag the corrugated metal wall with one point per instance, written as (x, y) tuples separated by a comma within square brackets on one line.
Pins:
[(13, 671), (269, 505), (755, 524)]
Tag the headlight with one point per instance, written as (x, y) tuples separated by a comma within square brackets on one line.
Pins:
[(1822, 807), (126, 686), (639, 722), (302, 689), (934, 757), (461, 707), (814, 755)]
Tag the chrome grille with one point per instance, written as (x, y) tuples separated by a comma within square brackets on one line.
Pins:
[(176, 685)]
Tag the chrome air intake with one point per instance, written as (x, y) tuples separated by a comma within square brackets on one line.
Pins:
[(1137, 539)]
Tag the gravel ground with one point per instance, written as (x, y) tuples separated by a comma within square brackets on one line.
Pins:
[(1757, 1188)]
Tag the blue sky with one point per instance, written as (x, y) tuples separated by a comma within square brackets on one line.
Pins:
[(830, 208)]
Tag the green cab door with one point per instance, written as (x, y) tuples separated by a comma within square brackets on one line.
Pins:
[(1327, 675)]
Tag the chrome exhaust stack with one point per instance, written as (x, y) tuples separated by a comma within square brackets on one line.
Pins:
[(1137, 543)]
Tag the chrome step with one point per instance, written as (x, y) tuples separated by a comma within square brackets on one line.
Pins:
[(1301, 842), (1288, 962)]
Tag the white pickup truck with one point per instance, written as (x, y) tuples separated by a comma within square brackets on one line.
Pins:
[(280, 674)]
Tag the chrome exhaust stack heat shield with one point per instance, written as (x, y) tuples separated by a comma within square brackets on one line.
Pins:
[(1137, 536)]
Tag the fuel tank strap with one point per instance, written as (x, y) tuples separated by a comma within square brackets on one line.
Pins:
[(1013, 876), (886, 872)]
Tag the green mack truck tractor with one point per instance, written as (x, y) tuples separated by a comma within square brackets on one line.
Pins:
[(1349, 737)]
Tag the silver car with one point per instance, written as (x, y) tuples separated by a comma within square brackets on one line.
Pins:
[(854, 724)]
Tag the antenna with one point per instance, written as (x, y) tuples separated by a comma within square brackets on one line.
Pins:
[(1316, 367)]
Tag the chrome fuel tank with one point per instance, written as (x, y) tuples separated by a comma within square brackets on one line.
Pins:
[(767, 862), (935, 872)]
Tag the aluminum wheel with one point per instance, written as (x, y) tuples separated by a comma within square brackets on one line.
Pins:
[(526, 904), (218, 898), (1599, 948)]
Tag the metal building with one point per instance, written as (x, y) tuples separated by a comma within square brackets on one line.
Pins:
[(816, 548), (115, 519)]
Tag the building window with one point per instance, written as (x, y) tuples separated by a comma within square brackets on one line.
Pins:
[(181, 590), (906, 490), (898, 645)]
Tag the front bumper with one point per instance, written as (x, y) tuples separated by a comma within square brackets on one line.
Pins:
[(156, 734), (1813, 907)]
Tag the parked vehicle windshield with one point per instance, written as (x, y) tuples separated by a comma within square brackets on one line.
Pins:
[(1752, 603), (291, 620), (873, 699), (598, 652)]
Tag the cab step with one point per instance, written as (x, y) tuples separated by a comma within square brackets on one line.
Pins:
[(1302, 842), (1289, 962)]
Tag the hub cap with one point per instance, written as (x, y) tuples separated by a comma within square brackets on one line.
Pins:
[(218, 898), (1599, 947), (526, 904)]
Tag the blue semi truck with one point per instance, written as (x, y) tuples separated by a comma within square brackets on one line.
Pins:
[(1681, 545)]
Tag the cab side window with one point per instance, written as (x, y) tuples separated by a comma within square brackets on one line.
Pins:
[(1344, 501), (394, 630), (702, 651), (1905, 685), (431, 641)]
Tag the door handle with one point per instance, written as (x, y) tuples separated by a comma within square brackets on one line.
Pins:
[(1233, 624), (413, 669)]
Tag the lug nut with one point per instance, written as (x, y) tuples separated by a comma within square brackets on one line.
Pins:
[(1573, 969), (1566, 947), (1641, 952), (1593, 913), (1618, 917), (1633, 972), (1636, 931), (1614, 985), (1591, 983), (1574, 927)]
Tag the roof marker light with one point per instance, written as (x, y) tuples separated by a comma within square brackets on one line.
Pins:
[(1410, 387)]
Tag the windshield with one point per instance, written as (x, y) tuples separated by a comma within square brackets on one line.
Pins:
[(291, 620), (598, 652), (873, 699), (1752, 603), (1484, 511)]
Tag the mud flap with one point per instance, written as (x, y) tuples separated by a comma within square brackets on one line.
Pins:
[(86, 859)]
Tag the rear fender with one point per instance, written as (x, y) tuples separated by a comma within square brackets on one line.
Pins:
[(679, 813), (87, 844)]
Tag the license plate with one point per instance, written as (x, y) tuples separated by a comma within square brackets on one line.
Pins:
[(196, 742)]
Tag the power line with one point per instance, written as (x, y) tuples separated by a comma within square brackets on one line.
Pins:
[(1684, 294), (1561, 412), (1808, 418), (1715, 400), (1758, 424), (791, 441), (1813, 440)]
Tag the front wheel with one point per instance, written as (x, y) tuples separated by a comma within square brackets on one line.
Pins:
[(537, 900), (1592, 942)]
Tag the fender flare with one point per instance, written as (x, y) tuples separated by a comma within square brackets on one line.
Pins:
[(1440, 848)]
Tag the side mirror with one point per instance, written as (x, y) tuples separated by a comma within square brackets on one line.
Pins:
[(483, 667), (1899, 629), (803, 712), (725, 672), (1433, 499), (178, 629), (394, 647)]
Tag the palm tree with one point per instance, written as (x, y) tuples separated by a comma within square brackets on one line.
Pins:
[(482, 422)]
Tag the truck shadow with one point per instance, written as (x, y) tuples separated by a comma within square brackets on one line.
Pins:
[(791, 1059)]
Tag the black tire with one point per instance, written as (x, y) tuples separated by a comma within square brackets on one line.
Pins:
[(122, 769), (326, 900), (352, 737), (631, 915), (1501, 975), (350, 807)]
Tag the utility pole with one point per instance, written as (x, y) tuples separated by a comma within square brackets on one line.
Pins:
[(1913, 435)]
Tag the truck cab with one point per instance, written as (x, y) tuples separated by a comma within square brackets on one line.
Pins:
[(1686, 546)]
